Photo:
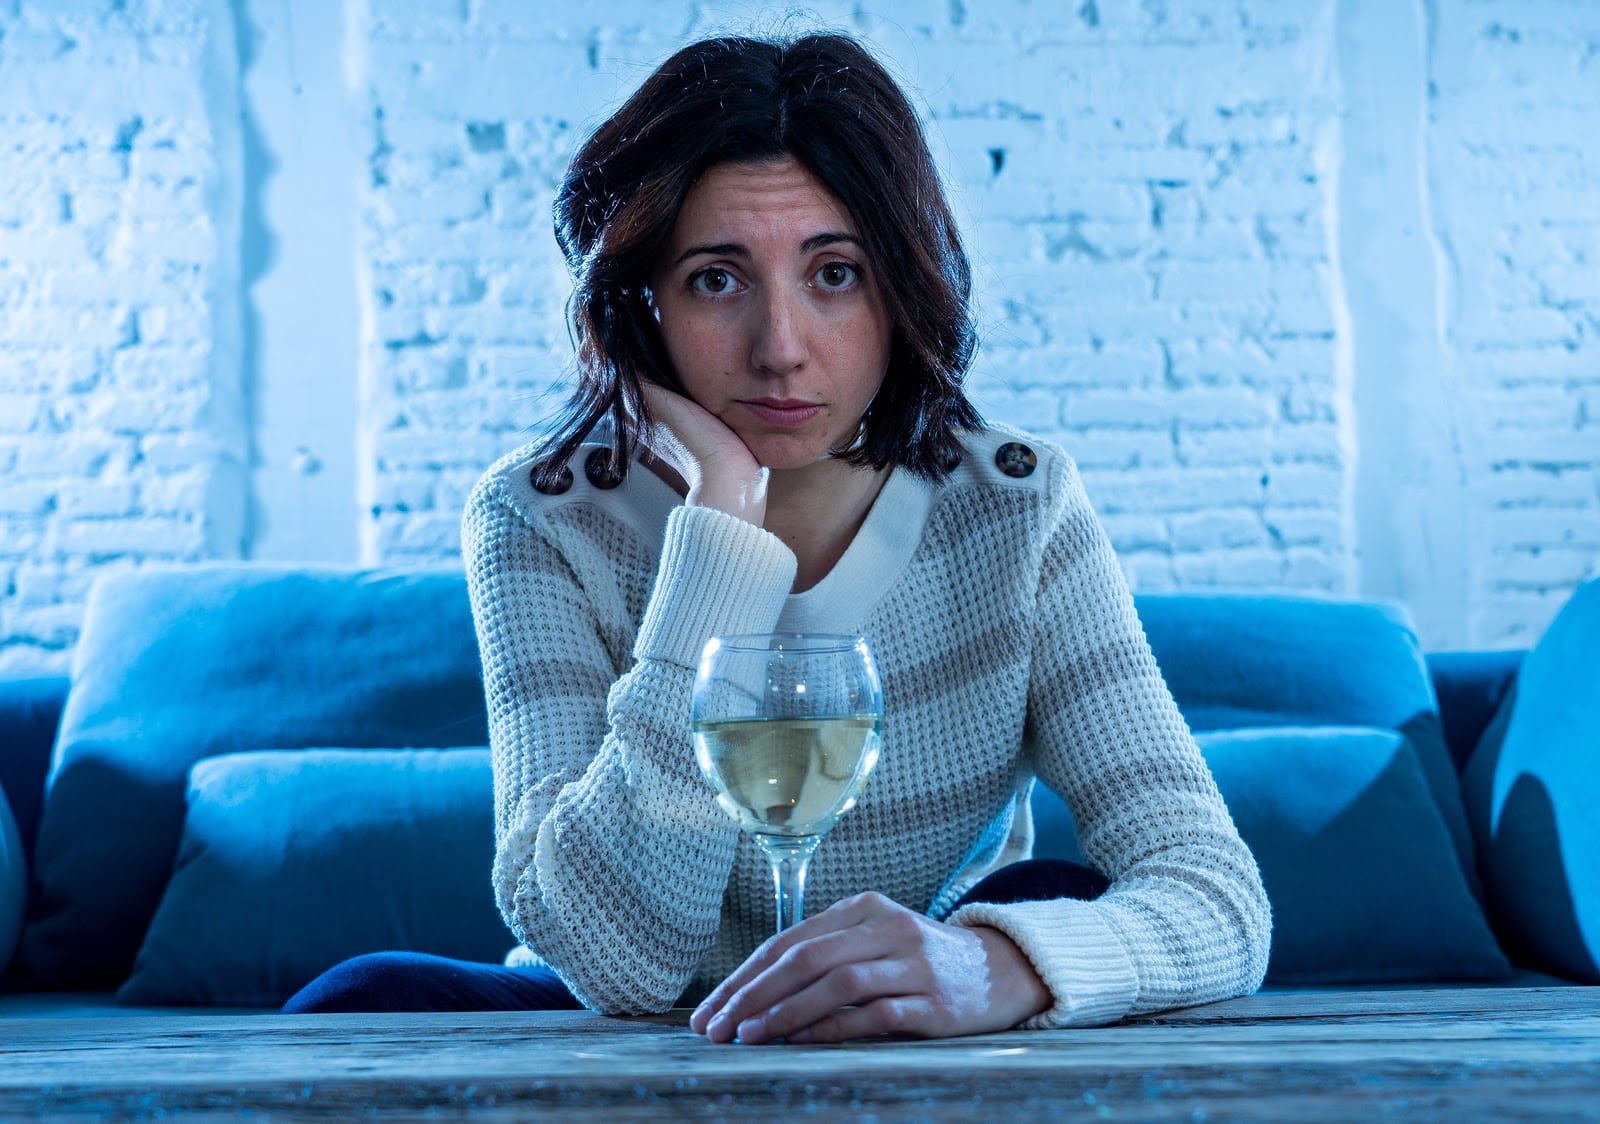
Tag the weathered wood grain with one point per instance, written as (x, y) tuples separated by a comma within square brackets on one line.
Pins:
[(1526, 1053)]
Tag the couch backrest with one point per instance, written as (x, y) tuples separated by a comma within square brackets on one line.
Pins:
[(173, 666), (1242, 661)]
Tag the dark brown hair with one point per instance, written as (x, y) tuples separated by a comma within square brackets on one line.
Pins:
[(828, 104)]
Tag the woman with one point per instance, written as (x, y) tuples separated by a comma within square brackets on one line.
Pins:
[(769, 433)]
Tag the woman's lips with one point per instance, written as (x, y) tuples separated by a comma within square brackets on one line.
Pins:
[(787, 412)]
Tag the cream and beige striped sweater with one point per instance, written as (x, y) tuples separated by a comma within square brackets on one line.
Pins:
[(1008, 647)]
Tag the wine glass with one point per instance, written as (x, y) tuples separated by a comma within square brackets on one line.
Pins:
[(786, 729)]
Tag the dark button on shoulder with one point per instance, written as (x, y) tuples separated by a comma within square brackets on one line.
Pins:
[(1015, 459), (557, 487), (595, 467)]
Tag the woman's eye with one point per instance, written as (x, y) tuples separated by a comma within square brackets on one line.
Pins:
[(713, 281), (836, 275)]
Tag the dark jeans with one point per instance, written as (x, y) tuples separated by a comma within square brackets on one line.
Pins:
[(416, 981)]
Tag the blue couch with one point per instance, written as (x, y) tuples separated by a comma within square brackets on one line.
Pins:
[(254, 772)]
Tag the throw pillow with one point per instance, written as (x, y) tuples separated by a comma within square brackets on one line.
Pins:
[(1355, 858), (30, 710), (13, 882), (177, 665), (1243, 660), (1532, 787), (294, 861)]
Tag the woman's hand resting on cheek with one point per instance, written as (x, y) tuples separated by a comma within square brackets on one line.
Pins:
[(717, 467), (867, 966)]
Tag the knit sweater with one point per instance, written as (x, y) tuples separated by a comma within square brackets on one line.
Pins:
[(1008, 648)]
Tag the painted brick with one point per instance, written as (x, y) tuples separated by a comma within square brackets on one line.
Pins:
[(1137, 532), (75, 454), (1324, 570), (1123, 449), (1302, 483), (1543, 567), (28, 497), (1172, 490), (1248, 569), (1530, 528), (95, 498), (149, 537), (44, 626), (1304, 526), (1218, 530)]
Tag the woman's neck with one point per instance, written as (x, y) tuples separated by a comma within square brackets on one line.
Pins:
[(817, 511)]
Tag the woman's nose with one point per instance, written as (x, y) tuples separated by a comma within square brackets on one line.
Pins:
[(779, 344)]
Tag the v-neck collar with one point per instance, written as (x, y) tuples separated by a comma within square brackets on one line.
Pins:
[(870, 565), (867, 570)]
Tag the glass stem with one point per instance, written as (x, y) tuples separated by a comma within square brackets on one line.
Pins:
[(789, 856)]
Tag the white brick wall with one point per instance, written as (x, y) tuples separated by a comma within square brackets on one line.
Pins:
[(1516, 148), (278, 281), (122, 428)]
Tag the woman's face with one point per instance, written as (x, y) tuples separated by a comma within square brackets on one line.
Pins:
[(770, 311)]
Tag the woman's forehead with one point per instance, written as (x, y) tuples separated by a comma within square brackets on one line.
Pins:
[(777, 199)]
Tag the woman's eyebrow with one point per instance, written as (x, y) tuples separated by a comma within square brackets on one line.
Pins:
[(739, 250), (717, 249), (828, 238)]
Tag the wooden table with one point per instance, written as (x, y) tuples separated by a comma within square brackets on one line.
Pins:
[(1524, 1053)]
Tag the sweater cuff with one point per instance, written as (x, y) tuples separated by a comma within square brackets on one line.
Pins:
[(1078, 956), (719, 576)]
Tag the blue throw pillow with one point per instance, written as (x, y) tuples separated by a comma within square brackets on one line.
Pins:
[(174, 666), (1533, 792), (30, 710), (13, 882), (292, 862), (1243, 660), (1356, 861)]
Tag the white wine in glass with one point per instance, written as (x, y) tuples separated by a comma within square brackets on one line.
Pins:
[(787, 727)]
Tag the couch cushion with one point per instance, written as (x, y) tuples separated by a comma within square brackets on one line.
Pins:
[(1532, 788), (30, 708), (174, 666), (1470, 687), (1355, 858), (1243, 660), (292, 862)]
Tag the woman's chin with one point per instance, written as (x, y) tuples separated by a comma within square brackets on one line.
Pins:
[(784, 453)]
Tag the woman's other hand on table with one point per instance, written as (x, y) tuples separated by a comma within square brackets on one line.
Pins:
[(867, 966)]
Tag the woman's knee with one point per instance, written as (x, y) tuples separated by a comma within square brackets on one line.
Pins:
[(375, 981)]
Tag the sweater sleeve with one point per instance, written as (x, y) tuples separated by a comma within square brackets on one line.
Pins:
[(612, 857), (1186, 918)]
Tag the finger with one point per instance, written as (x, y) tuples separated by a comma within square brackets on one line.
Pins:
[(848, 986), (852, 965), (753, 965), (668, 420), (754, 992), (900, 1014), (836, 918)]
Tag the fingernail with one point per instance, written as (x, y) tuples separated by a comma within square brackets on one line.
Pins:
[(753, 1030), (716, 1027)]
